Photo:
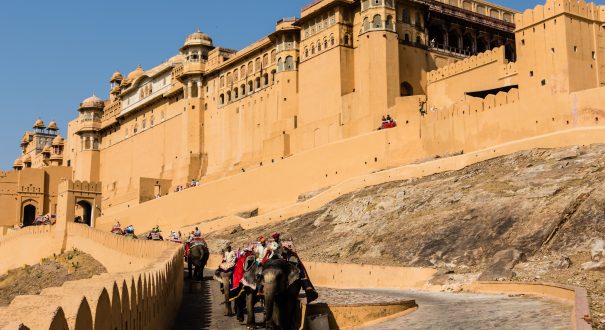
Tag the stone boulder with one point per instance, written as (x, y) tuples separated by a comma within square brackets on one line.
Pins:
[(502, 264)]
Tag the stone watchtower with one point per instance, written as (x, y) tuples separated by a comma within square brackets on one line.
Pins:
[(88, 127), (378, 52), (560, 48)]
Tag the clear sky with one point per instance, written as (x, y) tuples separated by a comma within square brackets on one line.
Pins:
[(55, 53)]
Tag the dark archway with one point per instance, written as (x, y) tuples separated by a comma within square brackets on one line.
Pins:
[(482, 45), (29, 215), (453, 41), (436, 37), (86, 217), (405, 89), (468, 44), (509, 52)]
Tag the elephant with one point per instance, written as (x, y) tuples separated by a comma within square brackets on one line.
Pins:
[(281, 280), (224, 277), (198, 257), (247, 297)]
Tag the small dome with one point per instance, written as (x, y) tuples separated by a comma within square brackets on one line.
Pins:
[(117, 76), (39, 124), (18, 163), (134, 75), (26, 138), (52, 126), (198, 38), (58, 140), (92, 102)]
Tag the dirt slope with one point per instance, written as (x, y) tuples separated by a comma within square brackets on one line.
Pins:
[(51, 272), (546, 204)]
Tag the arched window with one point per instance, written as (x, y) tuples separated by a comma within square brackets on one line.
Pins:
[(406, 38), (273, 72), (228, 96), (229, 79), (250, 68), (205, 55), (389, 24), (347, 39), (313, 49), (250, 87), (273, 55), (243, 71), (377, 21), (235, 75), (257, 64), (326, 43), (406, 89), (235, 93), (194, 90), (418, 20), (265, 79), (468, 44), (332, 39), (265, 60), (289, 63), (509, 52), (454, 40), (222, 99), (242, 90), (257, 81), (366, 24), (406, 16), (280, 64), (319, 46)]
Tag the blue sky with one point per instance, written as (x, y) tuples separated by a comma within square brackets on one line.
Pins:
[(54, 54)]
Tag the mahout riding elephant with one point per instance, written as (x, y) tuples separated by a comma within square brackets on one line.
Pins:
[(281, 281), (198, 257)]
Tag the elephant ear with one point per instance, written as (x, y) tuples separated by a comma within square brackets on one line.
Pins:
[(293, 274)]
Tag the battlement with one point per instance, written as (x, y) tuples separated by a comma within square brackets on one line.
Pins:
[(468, 64), (474, 105), (80, 186), (552, 8)]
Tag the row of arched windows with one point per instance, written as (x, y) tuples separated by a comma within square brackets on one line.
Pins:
[(320, 23), (405, 16), (246, 89), (195, 56), (378, 23), (261, 62), (286, 65)]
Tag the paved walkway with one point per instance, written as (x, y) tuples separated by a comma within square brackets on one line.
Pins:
[(439, 310), (202, 308)]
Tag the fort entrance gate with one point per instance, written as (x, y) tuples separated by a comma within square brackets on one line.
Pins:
[(79, 201)]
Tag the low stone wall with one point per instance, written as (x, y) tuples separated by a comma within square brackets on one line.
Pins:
[(147, 298), (27, 247), (352, 316), (575, 296)]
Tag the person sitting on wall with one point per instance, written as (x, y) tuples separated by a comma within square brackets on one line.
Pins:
[(129, 231)]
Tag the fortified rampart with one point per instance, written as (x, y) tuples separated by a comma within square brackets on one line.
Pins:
[(552, 8), (142, 291)]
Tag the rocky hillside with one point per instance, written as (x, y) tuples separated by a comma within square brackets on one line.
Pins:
[(530, 206)]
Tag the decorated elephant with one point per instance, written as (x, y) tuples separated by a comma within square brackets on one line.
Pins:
[(281, 281), (198, 257), (223, 275), (246, 294)]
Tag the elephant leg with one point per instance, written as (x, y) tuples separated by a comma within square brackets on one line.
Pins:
[(240, 304), (250, 302), (226, 286), (189, 267), (269, 306)]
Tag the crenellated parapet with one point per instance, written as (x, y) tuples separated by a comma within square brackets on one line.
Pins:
[(552, 8), (145, 298), (472, 105), (468, 64)]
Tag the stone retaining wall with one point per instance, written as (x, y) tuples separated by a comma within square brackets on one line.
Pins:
[(28, 247), (146, 298)]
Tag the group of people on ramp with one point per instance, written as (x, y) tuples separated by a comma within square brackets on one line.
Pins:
[(268, 270)]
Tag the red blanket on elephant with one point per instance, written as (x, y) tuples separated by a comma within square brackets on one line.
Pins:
[(238, 272)]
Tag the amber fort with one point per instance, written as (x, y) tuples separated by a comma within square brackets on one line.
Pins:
[(213, 132)]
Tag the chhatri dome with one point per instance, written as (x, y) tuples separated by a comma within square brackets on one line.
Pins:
[(52, 126), (58, 140), (138, 72), (39, 124), (198, 38), (92, 102), (117, 76)]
